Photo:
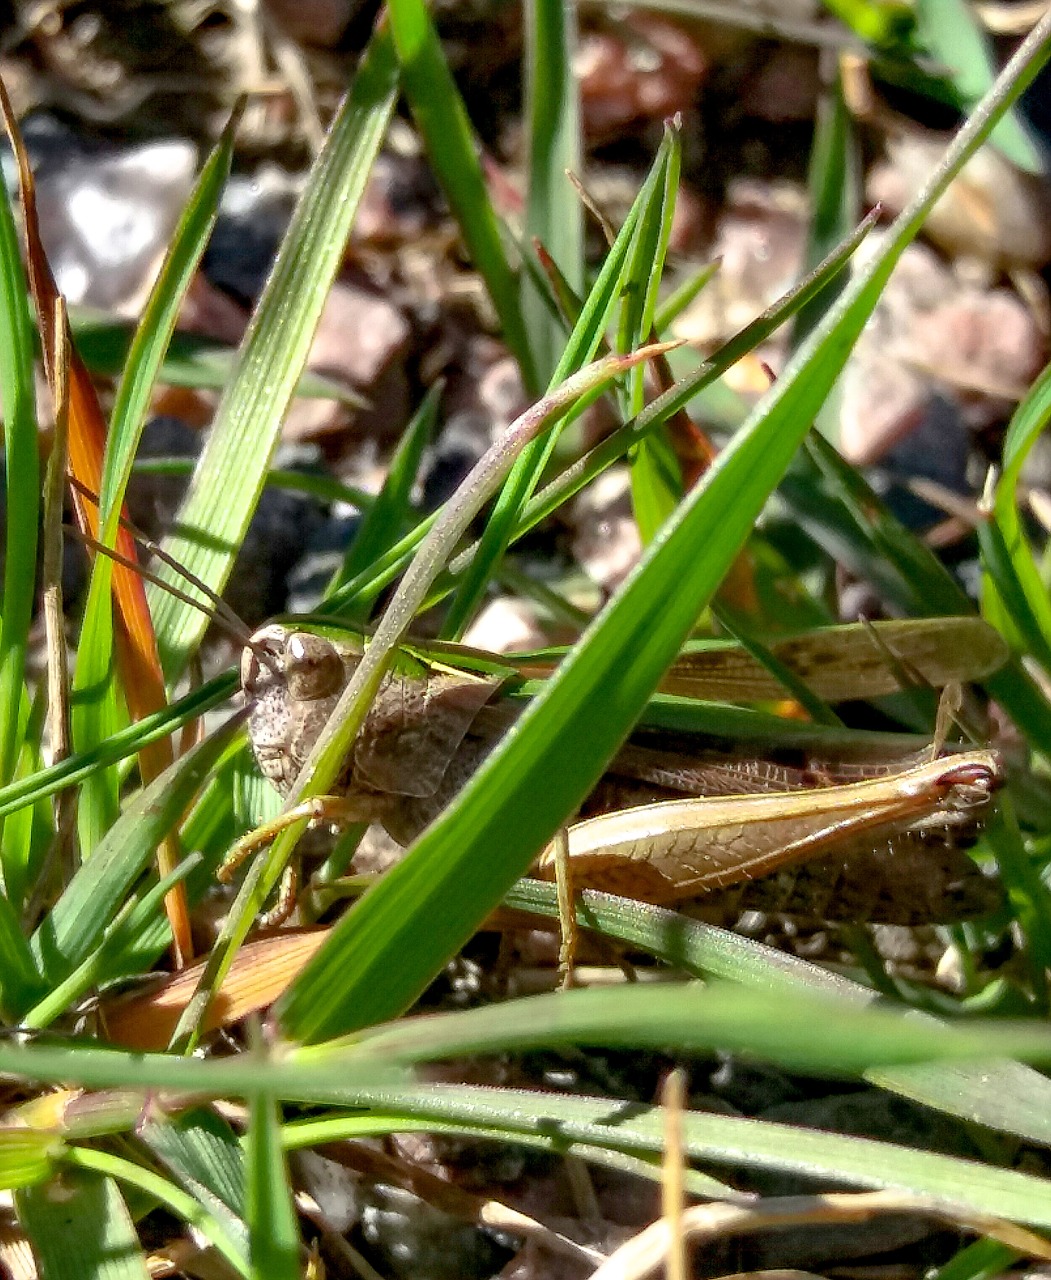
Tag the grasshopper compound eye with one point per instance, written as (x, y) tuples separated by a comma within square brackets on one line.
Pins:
[(313, 668)]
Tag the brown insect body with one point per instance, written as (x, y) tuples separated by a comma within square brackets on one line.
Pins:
[(423, 739)]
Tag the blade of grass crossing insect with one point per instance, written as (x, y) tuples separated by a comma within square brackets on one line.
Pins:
[(385, 521), (271, 1217), (541, 772), (442, 119), (553, 210), (325, 760), (581, 346), (233, 466), (86, 1233), (656, 479)]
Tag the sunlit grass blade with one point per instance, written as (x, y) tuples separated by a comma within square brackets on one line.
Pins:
[(27, 1156), (64, 1248), (190, 361), (949, 29), (268, 1197), (381, 956), (1001, 1095), (553, 210), (232, 468), (151, 1185), (657, 481), (137, 650), (776, 1027), (386, 520), (76, 923), (22, 480), (1020, 569), (725, 1141), (834, 183), (201, 1150), (42, 783), (588, 333), (442, 119), (377, 1123)]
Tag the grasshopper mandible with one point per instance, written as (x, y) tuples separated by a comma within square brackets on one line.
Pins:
[(861, 832)]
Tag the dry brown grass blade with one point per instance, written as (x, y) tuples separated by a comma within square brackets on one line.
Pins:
[(136, 642), (262, 970), (644, 1253)]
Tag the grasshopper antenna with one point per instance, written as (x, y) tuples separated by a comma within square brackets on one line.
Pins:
[(223, 616), (236, 630)]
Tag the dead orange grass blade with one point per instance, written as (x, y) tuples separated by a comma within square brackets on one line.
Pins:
[(262, 970), (136, 642)]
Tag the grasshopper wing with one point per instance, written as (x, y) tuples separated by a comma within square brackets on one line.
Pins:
[(416, 727)]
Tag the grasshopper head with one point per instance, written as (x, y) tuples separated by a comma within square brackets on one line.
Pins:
[(292, 681)]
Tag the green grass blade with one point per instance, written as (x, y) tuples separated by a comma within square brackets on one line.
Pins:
[(588, 333), (67, 773), (98, 890), (656, 476), (232, 468), (553, 211), (949, 29), (1001, 1095), (204, 1154), (734, 1141), (27, 1156), (22, 482), (443, 122), (268, 1197), (86, 1233), (1019, 570), (165, 1193), (776, 1027), (386, 519), (190, 361)]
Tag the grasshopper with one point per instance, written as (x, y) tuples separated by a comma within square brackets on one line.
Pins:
[(860, 827)]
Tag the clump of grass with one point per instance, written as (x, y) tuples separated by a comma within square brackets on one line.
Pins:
[(337, 1061)]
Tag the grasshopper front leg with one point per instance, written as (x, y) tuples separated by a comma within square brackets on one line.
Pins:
[(338, 811)]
